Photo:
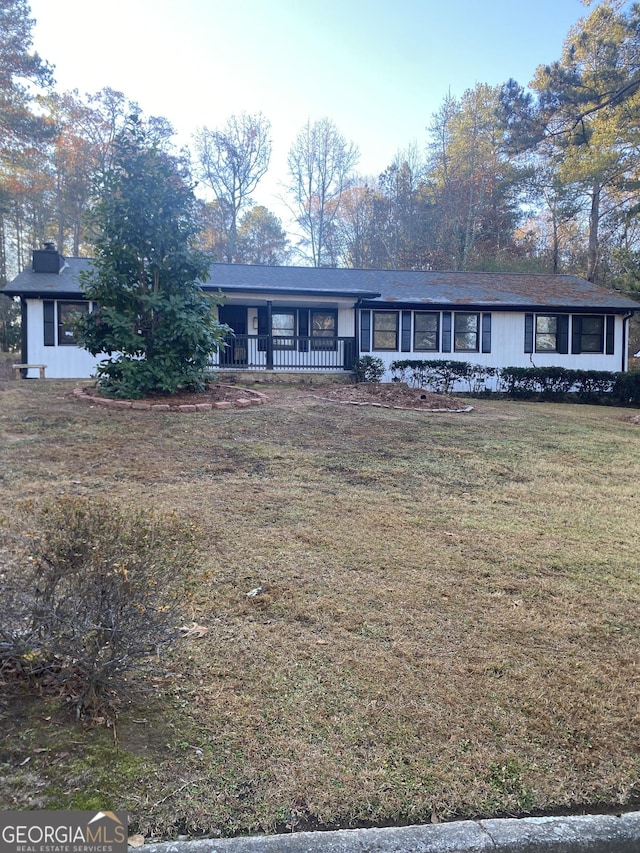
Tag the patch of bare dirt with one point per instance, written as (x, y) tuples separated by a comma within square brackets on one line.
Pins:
[(212, 394), (395, 395)]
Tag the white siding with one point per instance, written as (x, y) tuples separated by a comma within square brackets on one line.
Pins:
[(507, 349), (62, 362), (507, 343)]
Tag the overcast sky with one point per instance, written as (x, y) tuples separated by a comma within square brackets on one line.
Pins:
[(378, 68)]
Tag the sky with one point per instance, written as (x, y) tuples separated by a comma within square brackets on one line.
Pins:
[(379, 69)]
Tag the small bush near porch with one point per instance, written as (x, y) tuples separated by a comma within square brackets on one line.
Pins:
[(402, 617)]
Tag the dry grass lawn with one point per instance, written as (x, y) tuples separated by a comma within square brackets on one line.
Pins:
[(447, 624)]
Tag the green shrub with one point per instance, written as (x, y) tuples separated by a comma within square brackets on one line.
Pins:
[(626, 390), (369, 369), (519, 382), (561, 383), (92, 588), (441, 375), (594, 386)]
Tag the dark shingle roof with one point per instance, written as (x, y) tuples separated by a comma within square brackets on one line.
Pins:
[(391, 287), (64, 283), (497, 290)]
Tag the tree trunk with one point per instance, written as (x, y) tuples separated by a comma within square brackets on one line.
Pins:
[(594, 221)]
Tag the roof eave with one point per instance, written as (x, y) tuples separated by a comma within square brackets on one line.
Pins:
[(443, 305), (290, 291)]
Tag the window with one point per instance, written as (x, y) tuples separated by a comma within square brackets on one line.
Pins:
[(466, 329), (385, 330), (546, 333), (283, 329), (323, 330), (425, 331), (592, 334), (67, 314)]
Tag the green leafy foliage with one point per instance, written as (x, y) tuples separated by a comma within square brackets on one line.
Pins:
[(578, 121), (369, 369), (584, 386), (627, 388), (21, 69), (441, 374), (9, 324), (541, 383), (153, 321)]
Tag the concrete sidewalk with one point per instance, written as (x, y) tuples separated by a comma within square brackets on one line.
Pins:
[(584, 834)]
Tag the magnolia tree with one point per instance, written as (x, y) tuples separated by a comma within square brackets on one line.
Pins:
[(153, 321)]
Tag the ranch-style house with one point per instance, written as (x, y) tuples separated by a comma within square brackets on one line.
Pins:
[(308, 319)]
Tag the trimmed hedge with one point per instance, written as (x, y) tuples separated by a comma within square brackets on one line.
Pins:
[(627, 388), (441, 375), (531, 383), (561, 383)]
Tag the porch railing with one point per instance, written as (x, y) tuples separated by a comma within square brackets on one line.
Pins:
[(273, 352)]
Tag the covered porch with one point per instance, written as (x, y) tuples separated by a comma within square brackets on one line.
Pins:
[(285, 337)]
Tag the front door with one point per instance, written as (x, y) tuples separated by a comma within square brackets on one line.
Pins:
[(235, 352)]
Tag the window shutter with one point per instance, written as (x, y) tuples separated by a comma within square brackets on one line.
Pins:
[(576, 335), (528, 332), (405, 345), (365, 331), (486, 333), (446, 331), (48, 307), (303, 329), (610, 326), (562, 343)]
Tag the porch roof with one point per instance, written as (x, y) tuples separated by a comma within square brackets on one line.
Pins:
[(297, 281)]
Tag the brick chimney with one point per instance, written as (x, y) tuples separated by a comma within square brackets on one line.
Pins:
[(47, 259)]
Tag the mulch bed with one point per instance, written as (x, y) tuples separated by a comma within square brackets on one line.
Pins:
[(385, 395), (392, 396)]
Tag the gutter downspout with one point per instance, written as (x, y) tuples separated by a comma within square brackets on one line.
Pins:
[(24, 334), (625, 339)]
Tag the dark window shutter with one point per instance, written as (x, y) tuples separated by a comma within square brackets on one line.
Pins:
[(576, 335), (405, 344), (263, 329), (528, 332), (49, 306), (610, 326), (486, 333), (303, 329), (446, 331), (562, 343), (365, 331)]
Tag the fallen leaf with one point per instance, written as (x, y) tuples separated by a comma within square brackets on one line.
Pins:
[(194, 630)]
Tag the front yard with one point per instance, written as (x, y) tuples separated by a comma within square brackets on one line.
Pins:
[(446, 623)]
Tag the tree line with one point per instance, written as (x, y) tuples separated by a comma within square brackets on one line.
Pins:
[(535, 178)]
